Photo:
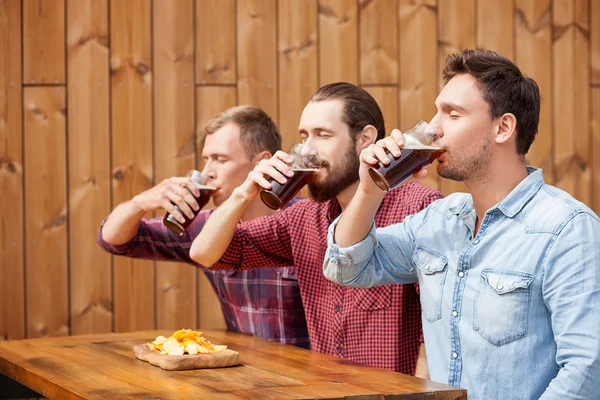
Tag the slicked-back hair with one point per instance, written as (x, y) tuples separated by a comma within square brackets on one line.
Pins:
[(360, 108)]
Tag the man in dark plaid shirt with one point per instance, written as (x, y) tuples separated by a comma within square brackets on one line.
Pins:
[(263, 302), (379, 326)]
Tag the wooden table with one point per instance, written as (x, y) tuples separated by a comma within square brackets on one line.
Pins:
[(103, 366)]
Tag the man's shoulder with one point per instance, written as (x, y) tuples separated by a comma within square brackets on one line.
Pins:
[(552, 208)]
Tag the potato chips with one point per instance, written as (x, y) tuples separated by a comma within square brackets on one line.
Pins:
[(184, 341)]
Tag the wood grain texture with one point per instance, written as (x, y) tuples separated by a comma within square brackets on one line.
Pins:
[(378, 33), (46, 217), (174, 144), (581, 128), (338, 41), (387, 98), (596, 148), (43, 41), (571, 134), (418, 67), (89, 164), (132, 170), (495, 26), (533, 54), (595, 42), (257, 54), (224, 358), (298, 67), (216, 42), (103, 366), (12, 278), (211, 100), (456, 24)]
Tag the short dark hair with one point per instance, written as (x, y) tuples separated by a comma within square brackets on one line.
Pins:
[(504, 88), (258, 132), (360, 108)]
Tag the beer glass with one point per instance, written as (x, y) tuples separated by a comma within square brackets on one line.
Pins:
[(421, 148), (206, 191), (306, 162)]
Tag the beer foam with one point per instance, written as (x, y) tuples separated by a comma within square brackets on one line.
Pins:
[(305, 169), (411, 143), (205, 187)]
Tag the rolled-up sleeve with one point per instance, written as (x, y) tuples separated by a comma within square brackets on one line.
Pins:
[(383, 257)]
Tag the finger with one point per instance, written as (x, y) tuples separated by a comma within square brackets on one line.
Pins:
[(390, 144), (283, 156), (421, 174), (398, 137), (172, 209), (179, 201), (367, 156), (380, 154), (260, 180), (186, 194)]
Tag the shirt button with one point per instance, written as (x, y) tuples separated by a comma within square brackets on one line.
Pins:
[(454, 314), (426, 268), (337, 308), (499, 287), (476, 241), (461, 274), (454, 355)]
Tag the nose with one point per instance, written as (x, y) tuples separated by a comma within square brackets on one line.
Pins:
[(435, 123), (208, 170)]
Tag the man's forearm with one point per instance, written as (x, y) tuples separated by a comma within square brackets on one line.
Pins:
[(357, 219), (212, 242), (122, 224)]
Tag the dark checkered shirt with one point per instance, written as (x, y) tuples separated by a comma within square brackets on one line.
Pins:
[(379, 326), (264, 302)]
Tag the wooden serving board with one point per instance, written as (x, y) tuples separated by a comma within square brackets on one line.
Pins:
[(225, 358)]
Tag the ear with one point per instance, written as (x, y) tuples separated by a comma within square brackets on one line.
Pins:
[(263, 155), (507, 128), (367, 137)]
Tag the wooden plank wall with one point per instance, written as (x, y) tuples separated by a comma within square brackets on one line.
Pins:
[(102, 99)]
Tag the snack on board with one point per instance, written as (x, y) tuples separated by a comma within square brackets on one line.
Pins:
[(184, 341)]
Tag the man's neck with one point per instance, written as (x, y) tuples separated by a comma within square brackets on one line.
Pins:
[(346, 195), (489, 190), (256, 209)]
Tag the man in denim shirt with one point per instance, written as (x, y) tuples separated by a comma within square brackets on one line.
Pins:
[(509, 274)]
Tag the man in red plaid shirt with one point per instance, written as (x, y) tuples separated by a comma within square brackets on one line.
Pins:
[(380, 326), (264, 302)]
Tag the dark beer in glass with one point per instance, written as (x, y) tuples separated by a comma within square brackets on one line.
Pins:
[(420, 150), (205, 192), (306, 162)]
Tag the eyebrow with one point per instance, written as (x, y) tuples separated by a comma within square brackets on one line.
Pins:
[(318, 128), (451, 106)]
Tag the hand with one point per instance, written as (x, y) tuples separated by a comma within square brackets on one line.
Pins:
[(277, 167), (377, 152), (168, 195)]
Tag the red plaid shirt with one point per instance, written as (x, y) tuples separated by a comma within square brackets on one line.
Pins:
[(379, 326), (265, 302)]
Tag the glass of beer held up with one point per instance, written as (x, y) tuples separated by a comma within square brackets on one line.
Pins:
[(306, 162), (201, 182), (421, 148)]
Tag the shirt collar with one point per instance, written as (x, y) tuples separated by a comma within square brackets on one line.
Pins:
[(516, 199)]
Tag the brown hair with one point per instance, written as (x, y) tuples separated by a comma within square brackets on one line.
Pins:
[(258, 132), (360, 108), (504, 88)]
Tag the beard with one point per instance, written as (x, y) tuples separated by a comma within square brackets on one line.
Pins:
[(338, 179), (461, 167)]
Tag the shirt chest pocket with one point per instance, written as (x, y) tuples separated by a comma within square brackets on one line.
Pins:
[(432, 269), (501, 309)]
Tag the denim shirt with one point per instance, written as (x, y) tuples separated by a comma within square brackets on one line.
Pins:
[(510, 313)]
